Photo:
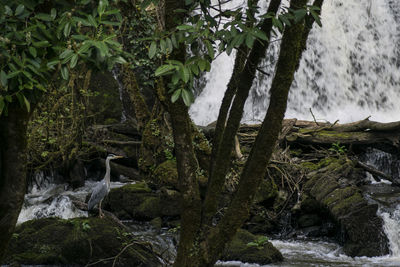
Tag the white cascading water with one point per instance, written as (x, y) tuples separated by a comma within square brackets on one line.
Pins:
[(350, 70)]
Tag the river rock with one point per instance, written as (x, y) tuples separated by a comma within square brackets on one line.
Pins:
[(78, 241), (250, 248), (333, 185), (139, 202)]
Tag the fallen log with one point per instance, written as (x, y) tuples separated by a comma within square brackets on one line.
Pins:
[(325, 137)]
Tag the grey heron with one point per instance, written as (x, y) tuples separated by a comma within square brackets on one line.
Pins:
[(103, 187)]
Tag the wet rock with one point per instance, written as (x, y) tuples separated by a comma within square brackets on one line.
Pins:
[(78, 241), (250, 248), (139, 202), (333, 186), (308, 220)]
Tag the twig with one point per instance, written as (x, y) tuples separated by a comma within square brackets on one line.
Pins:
[(312, 114)]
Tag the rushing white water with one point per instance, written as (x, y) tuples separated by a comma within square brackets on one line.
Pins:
[(317, 254), (55, 200), (349, 71)]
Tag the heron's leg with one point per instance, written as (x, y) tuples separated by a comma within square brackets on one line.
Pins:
[(101, 215)]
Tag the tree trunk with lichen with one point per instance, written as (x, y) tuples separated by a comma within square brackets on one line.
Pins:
[(201, 243), (12, 170)]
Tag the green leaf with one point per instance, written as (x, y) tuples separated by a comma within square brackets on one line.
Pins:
[(52, 63), (66, 53), (19, 10), (44, 17), (260, 34), (202, 64), (299, 14), (13, 74), (185, 74), (184, 27), (103, 48), (120, 60), (92, 21), (316, 17), (27, 104), (153, 49), (67, 29), (8, 98), (277, 23), (53, 13), (176, 95), (169, 45), (41, 44), (164, 69), (249, 40), (64, 73), (195, 69), (188, 97), (3, 78), (102, 6), (85, 47), (174, 42), (210, 49), (33, 51), (74, 60), (163, 45)]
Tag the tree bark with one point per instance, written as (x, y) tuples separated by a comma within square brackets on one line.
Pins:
[(12, 170), (262, 150), (243, 81)]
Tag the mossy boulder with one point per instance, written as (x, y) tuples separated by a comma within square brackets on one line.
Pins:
[(139, 202), (333, 186), (166, 174), (78, 241), (250, 248), (266, 193)]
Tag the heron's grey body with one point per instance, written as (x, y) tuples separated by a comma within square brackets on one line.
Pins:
[(102, 188)]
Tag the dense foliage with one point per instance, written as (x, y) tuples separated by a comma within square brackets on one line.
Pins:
[(210, 31), (39, 39)]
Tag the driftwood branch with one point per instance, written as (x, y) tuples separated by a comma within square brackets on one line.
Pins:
[(376, 173)]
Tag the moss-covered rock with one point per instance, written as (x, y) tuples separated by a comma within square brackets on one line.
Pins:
[(78, 241), (333, 186), (166, 174), (266, 193), (137, 201), (250, 248)]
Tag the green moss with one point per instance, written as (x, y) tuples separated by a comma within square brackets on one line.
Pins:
[(141, 187), (240, 249), (339, 194), (309, 165), (345, 205), (166, 174), (56, 241)]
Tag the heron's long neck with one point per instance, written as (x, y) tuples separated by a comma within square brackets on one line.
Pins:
[(107, 176)]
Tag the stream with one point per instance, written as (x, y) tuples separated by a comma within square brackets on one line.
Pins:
[(47, 199), (349, 72)]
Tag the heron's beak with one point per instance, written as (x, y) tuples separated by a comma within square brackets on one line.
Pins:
[(118, 157)]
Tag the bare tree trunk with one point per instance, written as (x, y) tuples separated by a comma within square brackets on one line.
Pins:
[(12, 170)]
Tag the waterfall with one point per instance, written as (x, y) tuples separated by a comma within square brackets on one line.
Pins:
[(348, 72)]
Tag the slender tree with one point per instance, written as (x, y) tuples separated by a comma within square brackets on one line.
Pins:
[(203, 235)]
